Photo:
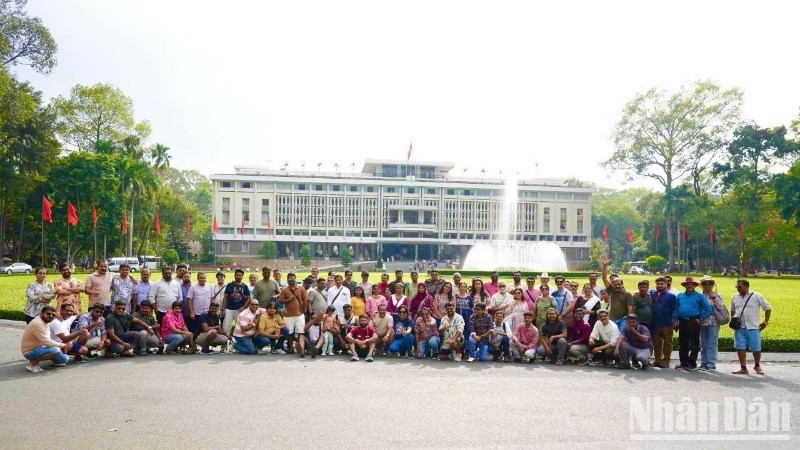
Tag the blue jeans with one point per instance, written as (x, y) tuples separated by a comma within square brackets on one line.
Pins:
[(709, 339), (402, 345), (622, 324), (505, 346), (245, 346), (175, 340), (429, 347), (481, 348), (263, 341), (38, 352)]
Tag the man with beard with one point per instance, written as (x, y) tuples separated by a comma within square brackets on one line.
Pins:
[(295, 300), (362, 339), (164, 293), (237, 298), (98, 286), (663, 320), (59, 332), (36, 344), (68, 289)]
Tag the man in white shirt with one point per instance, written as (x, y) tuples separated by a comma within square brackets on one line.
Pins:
[(501, 300), (164, 292), (219, 289), (671, 289), (59, 332), (747, 306), (603, 339), (337, 296), (198, 299)]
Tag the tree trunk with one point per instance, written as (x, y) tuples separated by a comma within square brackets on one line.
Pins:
[(130, 230), (18, 247)]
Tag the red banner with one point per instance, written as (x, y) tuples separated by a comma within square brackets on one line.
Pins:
[(605, 233), (124, 222), (72, 214), (47, 209), (94, 216), (215, 227), (158, 224), (630, 235)]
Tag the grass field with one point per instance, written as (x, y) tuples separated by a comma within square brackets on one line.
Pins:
[(783, 333)]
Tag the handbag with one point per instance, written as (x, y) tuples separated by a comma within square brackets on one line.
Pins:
[(736, 322), (721, 315)]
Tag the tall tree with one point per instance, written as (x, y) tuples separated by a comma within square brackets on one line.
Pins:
[(660, 135), (160, 156), (97, 113), (25, 40)]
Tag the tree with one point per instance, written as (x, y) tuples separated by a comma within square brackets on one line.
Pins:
[(269, 250), (787, 187), (347, 259), (305, 255), (25, 40), (95, 113), (160, 157), (170, 256), (656, 263), (669, 137)]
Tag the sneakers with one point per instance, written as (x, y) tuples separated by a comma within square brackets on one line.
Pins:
[(59, 364), (369, 358), (79, 359), (470, 359), (354, 358), (206, 351), (33, 369), (680, 367), (582, 362), (170, 352), (558, 363), (692, 368), (142, 352), (280, 351), (645, 366)]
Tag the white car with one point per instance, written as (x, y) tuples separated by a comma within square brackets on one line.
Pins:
[(636, 270), (16, 267), (114, 263)]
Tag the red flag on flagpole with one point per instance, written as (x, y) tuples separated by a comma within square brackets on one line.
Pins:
[(741, 232), (124, 222), (188, 226), (158, 224), (215, 227), (771, 231), (242, 225), (684, 233), (711, 235), (630, 235), (605, 233), (72, 214), (410, 148), (658, 233), (94, 216), (47, 209)]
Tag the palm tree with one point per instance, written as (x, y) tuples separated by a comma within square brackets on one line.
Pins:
[(132, 146), (137, 180), (160, 156)]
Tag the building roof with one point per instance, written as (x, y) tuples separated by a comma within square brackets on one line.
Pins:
[(371, 164)]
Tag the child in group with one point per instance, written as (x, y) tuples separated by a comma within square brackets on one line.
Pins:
[(500, 338), (330, 321)]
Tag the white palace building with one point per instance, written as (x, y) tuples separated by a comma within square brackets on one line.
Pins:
[(409, 210)]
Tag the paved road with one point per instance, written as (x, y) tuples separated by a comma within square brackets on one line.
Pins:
[(264, 401)]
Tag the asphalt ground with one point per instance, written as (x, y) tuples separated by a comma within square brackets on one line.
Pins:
[(271, 401)]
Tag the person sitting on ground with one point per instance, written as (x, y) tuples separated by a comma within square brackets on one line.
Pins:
[(174, 332), (148, 328), (271, 331), (245, 329), (60, 332), (452, 330), (480, 325), (211, 331), (581, 330), (553, 338), (95, 324), (118, 327), (427, 334), (525, 339), (603, 339), (403, 342), (362, 339), (501, 338), (36, 344), (634, 345), (383, 323)]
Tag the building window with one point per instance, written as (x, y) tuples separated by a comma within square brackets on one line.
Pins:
[(483, 193), (369, 188), (451, 192), (579, 239), (245, 247), (225, 248), (336, 187), (246, 216), (226, 210), (264, 211), (563, 222), (225, 184), (562, 238), (247, 185), (246, 210), (579, 212), (353, 188), (579, 253), (389, 189), (467, 192), (546, 219), (579, 225), (319, 187), (301, 187), (411, 190), (430, 191), (427, 172)]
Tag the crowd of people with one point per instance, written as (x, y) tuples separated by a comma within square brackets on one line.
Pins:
[(461, 320)]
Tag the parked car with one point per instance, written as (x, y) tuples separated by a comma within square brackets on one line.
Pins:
[(114, 263), (636, 270), (16, 267)]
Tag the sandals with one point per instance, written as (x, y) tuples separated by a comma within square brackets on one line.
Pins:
[(758, 370), (741, 372)]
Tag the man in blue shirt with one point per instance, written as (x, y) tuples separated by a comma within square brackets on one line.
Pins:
[(691, 309), (663, 315), (236, 299)]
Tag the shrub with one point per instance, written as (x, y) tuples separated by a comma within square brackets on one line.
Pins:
[(305, 255)]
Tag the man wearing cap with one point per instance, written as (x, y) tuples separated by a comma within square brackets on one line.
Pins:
[(709, 329), (691, 309), (663, 321), (491, 287), (266, 289), (634, 345), (621, 303), (219, 289), (747, 306)]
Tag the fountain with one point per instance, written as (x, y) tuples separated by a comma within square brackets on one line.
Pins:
[(508, 253)]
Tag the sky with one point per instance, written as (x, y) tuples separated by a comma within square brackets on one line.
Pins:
[(488, 85)]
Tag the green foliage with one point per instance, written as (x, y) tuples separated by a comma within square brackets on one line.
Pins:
[(596, 251), (379, 264), (347, 259), (305, 255), (626, 267), (269, 250), (787, 187), (25, 40), (170, 256), (97, 113), (656, 263)]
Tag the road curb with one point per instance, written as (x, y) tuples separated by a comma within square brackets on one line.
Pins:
[(13, 323)]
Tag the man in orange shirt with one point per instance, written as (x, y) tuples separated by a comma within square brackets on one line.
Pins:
[(295, 299)]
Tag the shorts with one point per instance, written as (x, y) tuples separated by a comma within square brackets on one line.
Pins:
[(38, 352), (296, 324), (745, 339), (93, 342), (75, 347)]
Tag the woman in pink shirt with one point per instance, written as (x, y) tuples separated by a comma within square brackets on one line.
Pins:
[(375, 300)]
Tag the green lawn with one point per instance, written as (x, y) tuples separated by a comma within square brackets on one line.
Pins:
[(783, 333)]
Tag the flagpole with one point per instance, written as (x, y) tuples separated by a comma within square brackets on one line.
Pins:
[(67, 261), (44, 264)]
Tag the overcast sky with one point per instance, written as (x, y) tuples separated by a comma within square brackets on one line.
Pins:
[(484, 84)]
